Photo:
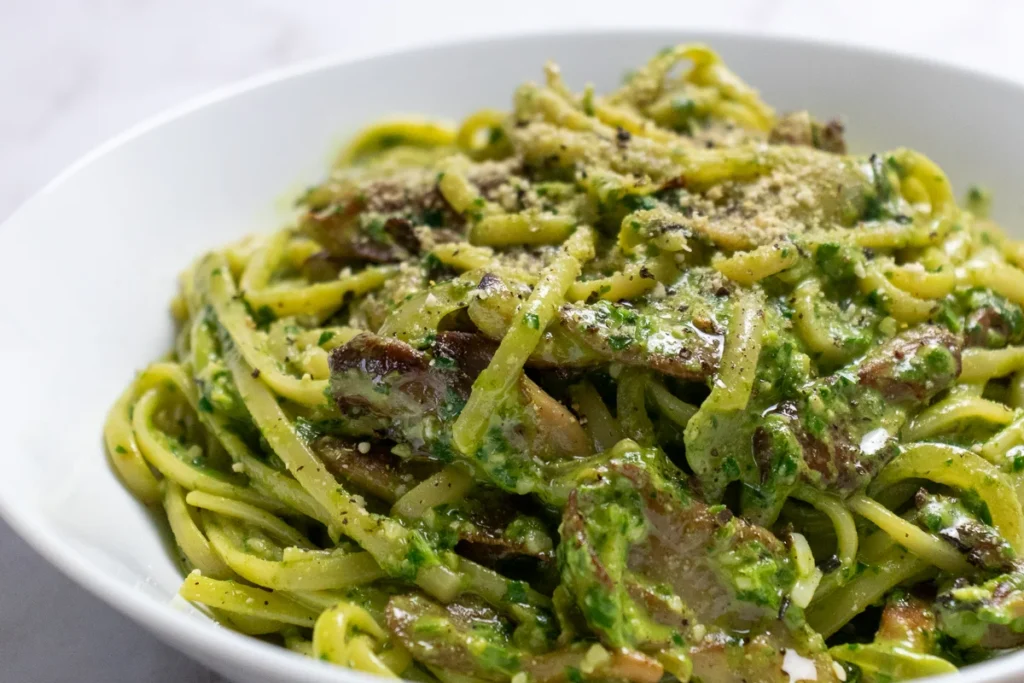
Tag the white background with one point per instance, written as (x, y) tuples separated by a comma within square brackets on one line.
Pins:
[(75, 72)]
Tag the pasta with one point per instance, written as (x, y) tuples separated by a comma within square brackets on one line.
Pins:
[(652, 386)]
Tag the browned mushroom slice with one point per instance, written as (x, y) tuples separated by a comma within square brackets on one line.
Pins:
[(908, 622), (989, 616), (772, 657), (487, 526), (799, 128), (830, 136), (653, 567), (905, 646), (836, 435), (949, 518), (491, 529), (914, 366), (373, 219), (469, 638), (493, 310), (663, 335), (848, 422), (465, 637), (644, 336), (843, 430), (987, 319), (414, 398), (704, 555), (369, 465), (587, 662)]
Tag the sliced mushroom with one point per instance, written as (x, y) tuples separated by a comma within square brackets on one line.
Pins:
[(905, 646), (914, 366), (491, 529), (662, 335), (593, 662), (764, 658), (369, 465), (652, 567), (909, 621), (414, 398), (981, 543), (465, 637), (799, 128), (373, 220), (988, 319), (469, 638), (843, 430), (989, 615)]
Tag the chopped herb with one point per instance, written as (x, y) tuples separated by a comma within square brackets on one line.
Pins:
[(264, 316), (1018, 462), (433, 217), (619, 342), (432, 263), (516, 592)]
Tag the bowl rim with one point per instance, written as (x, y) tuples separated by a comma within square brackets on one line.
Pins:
[(205, 640)]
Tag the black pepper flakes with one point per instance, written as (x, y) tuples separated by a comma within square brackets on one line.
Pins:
[(831, 564)]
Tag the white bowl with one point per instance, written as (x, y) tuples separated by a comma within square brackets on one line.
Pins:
[(89, 264)]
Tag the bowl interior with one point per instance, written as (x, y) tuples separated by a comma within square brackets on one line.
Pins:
[(91, 261)]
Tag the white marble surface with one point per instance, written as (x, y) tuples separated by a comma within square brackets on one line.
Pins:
[(75, 72)]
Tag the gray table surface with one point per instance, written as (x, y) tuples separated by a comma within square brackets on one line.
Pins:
[(74, 72)]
